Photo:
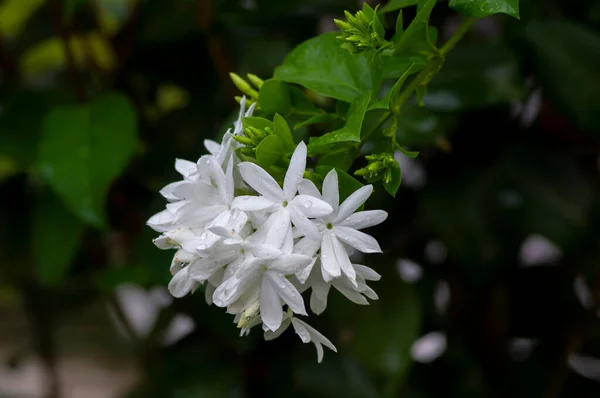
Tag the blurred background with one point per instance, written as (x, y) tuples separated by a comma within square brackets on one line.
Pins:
[(491, 284)]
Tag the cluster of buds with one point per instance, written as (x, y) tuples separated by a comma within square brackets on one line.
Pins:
[(251, 139), (248, 88), (379, 168), (361, 32)]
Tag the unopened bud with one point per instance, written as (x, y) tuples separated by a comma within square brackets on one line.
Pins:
[(249, 314), (257, 81), (243, 86)]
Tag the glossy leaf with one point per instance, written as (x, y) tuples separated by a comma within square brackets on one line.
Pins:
[(274, 96), (56, 233), (282, 130), (415, 40), (269, 151), (394, 5), (83, 149), (350, 132), (484, 8), (320, 64)]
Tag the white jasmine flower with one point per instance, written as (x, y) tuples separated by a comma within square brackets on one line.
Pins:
[(285, 204), (342, 225), (265, 278)]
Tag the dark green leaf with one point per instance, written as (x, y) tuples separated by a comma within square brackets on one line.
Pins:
[(372, 15), (56, 233), (350, 132), (483, 8), (282, 130), (322, 118), (475, 76), (347, 183), (83, 148), (274, 96), (385, 102), (568, 61), (341, 156), (392, 186), (320, 64), (415, 40), (269, 151), (394, 5)]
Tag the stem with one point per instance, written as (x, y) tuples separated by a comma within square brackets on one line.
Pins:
[(431, 69), (460, 32)]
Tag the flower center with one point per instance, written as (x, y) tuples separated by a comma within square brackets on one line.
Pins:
[(285, 203), (329, 225)]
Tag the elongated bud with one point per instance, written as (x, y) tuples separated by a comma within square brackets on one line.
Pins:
[(257, 81), (242, 139), (243, 86), (249, 314)]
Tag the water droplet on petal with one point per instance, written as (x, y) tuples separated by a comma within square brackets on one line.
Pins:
[(307, 205)]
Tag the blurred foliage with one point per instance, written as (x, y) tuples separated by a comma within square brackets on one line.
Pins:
[(98, 97)]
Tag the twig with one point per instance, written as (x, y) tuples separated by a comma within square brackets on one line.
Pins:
[(64, 34)]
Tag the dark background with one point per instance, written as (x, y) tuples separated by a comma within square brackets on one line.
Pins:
[(500, 211)]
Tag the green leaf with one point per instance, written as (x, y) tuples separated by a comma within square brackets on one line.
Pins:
[(258, 122), (83, 148), (484, 8), (371, 14), (282, 130), (320, 64), (415, 40), (56, 233), (322, 118), (567, 63), (475, 76), (350, 132), (269, 151), (392, 186), (394, 5), (347, 183), (340, 156), (274, 97)]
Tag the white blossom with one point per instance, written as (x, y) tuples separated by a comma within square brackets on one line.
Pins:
[(255, 255)]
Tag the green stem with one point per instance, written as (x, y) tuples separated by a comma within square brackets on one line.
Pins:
[(433, 66), (466, 25)]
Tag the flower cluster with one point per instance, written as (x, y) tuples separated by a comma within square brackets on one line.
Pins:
[(256, 254)]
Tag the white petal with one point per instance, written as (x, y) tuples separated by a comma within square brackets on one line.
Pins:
[(311, 206), (289, 264), (303, 225), (270, 305), (288, 293), (209, 290), (318, 296), (185, 167), (330, 265), (261, 250), (212, 147), (331, 192), (358, 240), (308, 333), (307, 187), (229, 183), (370, 293), (343, 260), (161, 222), (295, 171), (261, 181), (232, 288), (269, 335), (288, 242), (181, 284), (353, 202), (168, 191), (274, 230), (364, 219), (366, 272), (350, 293), (252, 203)]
